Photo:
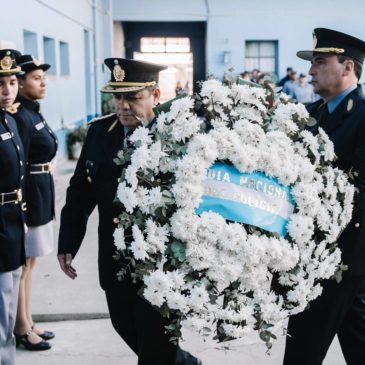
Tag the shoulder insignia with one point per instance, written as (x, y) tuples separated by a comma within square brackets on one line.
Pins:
[(13, 108), (100, 119)]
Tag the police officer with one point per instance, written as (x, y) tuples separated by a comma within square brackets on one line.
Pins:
[(40, 147), (337, 60), (134, 85), (12, 255)]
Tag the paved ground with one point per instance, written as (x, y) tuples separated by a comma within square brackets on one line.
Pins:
[(81, 339)]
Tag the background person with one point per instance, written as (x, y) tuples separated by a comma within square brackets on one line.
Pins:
[(40, 147), (303, 91), (12, 164)]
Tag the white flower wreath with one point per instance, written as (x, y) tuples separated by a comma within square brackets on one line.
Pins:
[(196, 266)]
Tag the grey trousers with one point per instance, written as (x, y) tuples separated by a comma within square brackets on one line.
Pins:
[(9, 289)]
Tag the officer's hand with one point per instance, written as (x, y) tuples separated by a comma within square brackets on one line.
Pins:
[(65, 260)]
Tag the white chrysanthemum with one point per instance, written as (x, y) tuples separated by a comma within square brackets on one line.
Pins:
[(155, 197), (184, 224), (198, 297), (131, 176), (204, 148), (180, 107), (300, 228), (141, 157), (185, 127), (141, 134), (157, 236), (119, 239), (213, 92), (139, 246), (249, 133), (127, 196), (327, 147)]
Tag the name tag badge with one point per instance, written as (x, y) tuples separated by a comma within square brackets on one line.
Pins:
[(39, 126), (5, 136)]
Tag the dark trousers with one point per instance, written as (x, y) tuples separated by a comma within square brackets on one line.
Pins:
[(143, 328), (339, 310)]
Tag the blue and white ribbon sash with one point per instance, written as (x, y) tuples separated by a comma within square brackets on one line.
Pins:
[(251, 198)]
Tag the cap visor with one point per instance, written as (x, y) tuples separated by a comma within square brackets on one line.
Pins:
[(119, 90), (10, 73), (305, 55)]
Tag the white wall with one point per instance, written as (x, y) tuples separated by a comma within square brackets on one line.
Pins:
[(159, 10)]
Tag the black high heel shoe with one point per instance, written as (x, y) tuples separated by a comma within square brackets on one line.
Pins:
[(23, 340), (46, 335)]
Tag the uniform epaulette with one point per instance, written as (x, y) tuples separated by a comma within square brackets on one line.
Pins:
[(13, 108), (100, 119)]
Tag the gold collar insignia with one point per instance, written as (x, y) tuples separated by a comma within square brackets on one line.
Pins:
[(350, 104), (13, 108)]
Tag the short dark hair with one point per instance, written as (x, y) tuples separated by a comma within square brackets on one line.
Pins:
[(357, 65)]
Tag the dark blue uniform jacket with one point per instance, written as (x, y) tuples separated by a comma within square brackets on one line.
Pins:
[(40, 146), (346, 128), (95, 182), (12, 171)]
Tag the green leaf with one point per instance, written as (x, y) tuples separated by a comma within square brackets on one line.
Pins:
[(178, 250)]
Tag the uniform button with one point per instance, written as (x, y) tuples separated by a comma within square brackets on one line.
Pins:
[(22, 177), (17, 146), (56, 141), (357, 225), (87, 171), (49, 131), (6, 121), (89, 179), (116, 220), (21, 163), (12, 134)]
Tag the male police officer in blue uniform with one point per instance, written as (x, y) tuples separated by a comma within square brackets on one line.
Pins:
[(337, 60), (135, 89), (12, 255)]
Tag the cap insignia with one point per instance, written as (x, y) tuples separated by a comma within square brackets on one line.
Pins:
[(350, 104), (119, 73), (315, 40), (6, 63), (36, 61)]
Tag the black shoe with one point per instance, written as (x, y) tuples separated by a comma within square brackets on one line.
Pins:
[(46, 335), (23, 340)]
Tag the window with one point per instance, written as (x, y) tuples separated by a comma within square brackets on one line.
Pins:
[(165, 45), (50, 54), (30, 43), (64, 59), (261, 55)]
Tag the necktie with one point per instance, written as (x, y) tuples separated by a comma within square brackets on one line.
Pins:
[(323, 113)]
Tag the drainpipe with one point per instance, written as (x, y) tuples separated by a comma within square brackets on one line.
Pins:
[(95, 60)]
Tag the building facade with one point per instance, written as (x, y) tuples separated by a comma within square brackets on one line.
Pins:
[(73, 36)]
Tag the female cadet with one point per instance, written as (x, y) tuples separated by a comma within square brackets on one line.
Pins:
[(40, 146), (11, 217)]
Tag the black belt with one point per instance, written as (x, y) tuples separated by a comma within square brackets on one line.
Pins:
[(12, 197), (40, 168)]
